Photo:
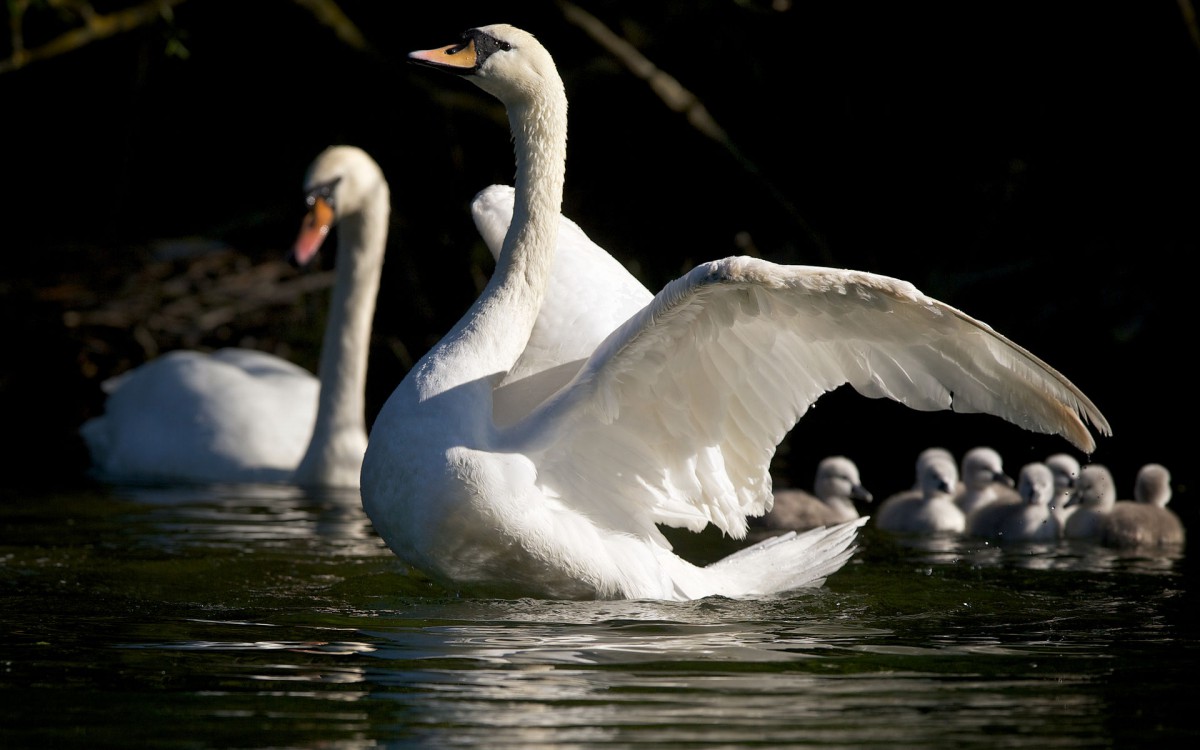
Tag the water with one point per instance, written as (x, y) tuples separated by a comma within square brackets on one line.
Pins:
[(270, 617)]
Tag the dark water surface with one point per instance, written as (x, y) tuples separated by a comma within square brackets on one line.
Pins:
[(271, 617)]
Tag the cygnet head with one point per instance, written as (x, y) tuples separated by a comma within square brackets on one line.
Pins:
[(1065, 468), (1153, 485), (928, 455), (982, 466), (1036, 484), (1095, 488), (939, 476), (837, 476)]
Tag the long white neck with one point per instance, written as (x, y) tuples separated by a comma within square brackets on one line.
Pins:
[(491, 337), (339, 438)]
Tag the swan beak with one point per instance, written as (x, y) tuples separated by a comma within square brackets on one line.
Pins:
[(454, 58), (313, 231)]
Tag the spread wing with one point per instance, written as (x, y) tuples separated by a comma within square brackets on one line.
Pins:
[(675, 417)]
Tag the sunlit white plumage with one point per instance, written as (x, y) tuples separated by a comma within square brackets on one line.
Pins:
[(240, 415), (588, 296), (495, 469)]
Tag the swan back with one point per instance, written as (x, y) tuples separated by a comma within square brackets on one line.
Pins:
[(234, 415), (589, 296)]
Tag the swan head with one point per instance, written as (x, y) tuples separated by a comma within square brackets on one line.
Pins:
[(505, 61), (338, 184)]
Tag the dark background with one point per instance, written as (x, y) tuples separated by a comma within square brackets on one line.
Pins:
[(1034, 165)]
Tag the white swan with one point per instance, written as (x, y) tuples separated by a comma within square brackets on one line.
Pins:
[(1029, 519), (1146, 521), (933, 511), (239, 415), (551, 483), (1095, 495), (836, 487), (983, 480)]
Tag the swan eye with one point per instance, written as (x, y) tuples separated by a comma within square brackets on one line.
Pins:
[(486, 45), (324, 191)]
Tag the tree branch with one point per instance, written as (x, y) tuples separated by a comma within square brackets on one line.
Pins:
[(679, 99), (95, 28)]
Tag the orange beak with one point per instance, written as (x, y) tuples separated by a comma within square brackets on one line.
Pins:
[(313, 231), (458, 58)]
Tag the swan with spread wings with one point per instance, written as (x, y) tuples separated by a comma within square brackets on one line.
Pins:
[(517, 460)]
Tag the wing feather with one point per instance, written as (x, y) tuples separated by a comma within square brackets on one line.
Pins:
[(692, 395)]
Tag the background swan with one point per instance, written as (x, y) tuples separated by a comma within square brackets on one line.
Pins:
[(588, 296), (552, 483), (239, 415)]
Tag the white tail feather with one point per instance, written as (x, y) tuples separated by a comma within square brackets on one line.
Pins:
[(790, 561)]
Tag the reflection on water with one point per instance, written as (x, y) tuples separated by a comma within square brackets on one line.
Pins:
[(269, 616), (234, 515), (1077, 555)]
